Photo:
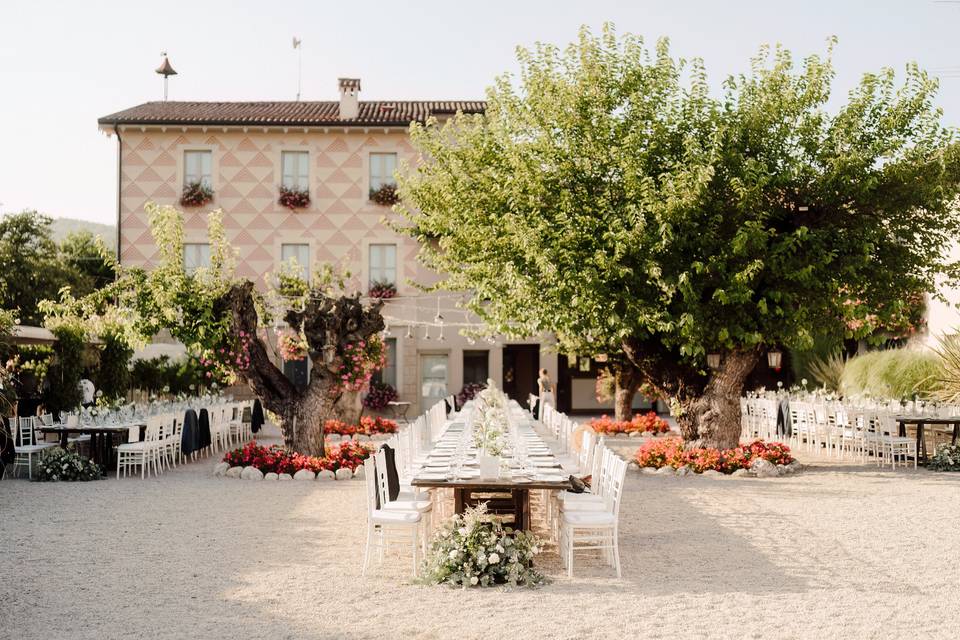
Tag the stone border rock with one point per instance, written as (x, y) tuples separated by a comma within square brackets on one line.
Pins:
[(760, 469), (224, 470)]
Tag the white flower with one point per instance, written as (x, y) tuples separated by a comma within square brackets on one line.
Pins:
[(454, 554), (474, 580), (803, 381), (494, 558), (463, 531)]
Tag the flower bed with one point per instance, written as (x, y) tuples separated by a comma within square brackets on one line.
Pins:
[(368, 426), (276, 459), (470, 550), (640, 423), (669, 452), (60, 465)]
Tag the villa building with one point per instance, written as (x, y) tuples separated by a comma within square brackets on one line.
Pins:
[(242, 157)]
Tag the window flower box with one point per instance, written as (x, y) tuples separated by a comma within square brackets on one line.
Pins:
[(294, 198), (386, 195), (383, 290), (196, 194)]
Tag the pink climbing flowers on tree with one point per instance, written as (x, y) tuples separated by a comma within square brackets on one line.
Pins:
[(360, 360)]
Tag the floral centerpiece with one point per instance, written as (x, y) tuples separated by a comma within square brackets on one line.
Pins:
[(294, 198), (379, 396), (946, 458), (196, 194), (386, 195), (489, 420), (472, 549)]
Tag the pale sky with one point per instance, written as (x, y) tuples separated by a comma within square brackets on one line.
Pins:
[(64, 64)]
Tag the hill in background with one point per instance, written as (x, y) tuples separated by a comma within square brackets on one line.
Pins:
[(65, 226)]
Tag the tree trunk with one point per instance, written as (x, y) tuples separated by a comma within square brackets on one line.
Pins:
[(628, 380), (712, 419), (329, 324)]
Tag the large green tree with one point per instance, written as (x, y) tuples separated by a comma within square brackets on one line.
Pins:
[(608, 196)]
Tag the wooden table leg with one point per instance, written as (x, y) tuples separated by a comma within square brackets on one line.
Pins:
[(63, 439), (458, 500), (921, 443), (956, 432)]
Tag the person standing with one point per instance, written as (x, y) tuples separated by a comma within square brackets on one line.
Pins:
[(548, 391), (88, 390)]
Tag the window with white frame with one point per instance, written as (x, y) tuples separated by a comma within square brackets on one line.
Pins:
[(296, 170), (195, 255), (388, 375), (198, 168), (383, 264), (298, 254), (382, 168)]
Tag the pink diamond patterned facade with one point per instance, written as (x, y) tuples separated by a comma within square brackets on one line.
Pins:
[(337, 225)]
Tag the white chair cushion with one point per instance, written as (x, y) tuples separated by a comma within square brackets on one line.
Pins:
[(583, 502), (383, 516), (409, 505), (588, 518), (34, 448)]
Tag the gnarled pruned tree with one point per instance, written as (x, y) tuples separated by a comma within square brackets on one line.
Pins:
[(331, 326)]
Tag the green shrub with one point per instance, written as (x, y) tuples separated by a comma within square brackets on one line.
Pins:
[(113, 374), (894, 373), (61, 465), (65, 370)]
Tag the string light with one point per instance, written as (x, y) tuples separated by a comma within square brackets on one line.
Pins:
[(426, 332)]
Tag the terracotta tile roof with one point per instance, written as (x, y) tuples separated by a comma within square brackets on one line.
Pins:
[(375, 113)]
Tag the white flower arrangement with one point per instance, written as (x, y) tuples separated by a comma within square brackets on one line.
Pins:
[(946, 458), (63, 465), (474, 549)]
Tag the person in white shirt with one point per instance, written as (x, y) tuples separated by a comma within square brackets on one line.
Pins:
[(89, 392)]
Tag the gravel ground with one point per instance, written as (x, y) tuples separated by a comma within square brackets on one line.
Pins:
[(840, 551)]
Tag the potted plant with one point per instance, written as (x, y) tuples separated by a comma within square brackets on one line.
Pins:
[(383, 290), (196, 194), (294, 198), (386, 195)]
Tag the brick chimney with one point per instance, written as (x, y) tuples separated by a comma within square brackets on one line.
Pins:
[(349, 98)]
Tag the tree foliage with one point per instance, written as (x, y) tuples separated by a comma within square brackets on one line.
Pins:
[(34, 268), (607, 196)]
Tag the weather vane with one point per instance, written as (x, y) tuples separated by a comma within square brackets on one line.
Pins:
[(166, 70), (296, 45)]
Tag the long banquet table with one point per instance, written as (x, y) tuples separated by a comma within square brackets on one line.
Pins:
[(101, 438), (507, 494)]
